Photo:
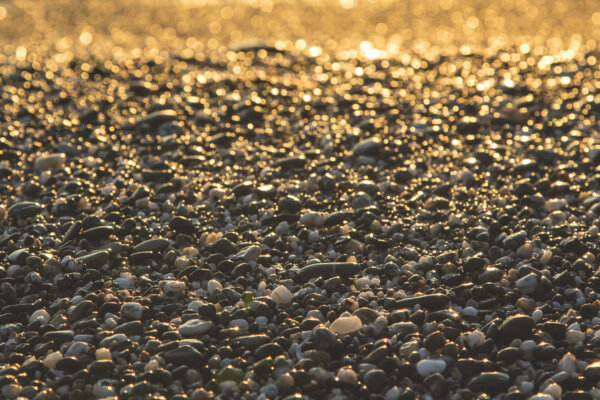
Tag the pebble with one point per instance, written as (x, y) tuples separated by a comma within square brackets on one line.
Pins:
[(347, 375), (528, 283), (195, 327), (341, 269), (568, 363), (427, 366), (517, 326), (49, 161), (151, 245), (281, 295), (489, 382), (346, 325), (132, 310), (173, 288)]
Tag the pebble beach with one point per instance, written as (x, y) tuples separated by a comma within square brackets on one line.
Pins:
[(300, 200)]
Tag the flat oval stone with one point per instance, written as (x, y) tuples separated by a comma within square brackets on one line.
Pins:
[(24, 209), (185, 355), (346, 325), (95, 259), (342, 269), (49, 161), (516, 327), (251, 342), (429, 301), (490, 382), (81, 310), (195, 327), (151, 245)]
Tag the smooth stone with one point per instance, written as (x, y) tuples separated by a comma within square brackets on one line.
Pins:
[(68, 364), (281, 295), (347, 375), (40, 315), (59, 336), (151, 245), (97, 233), (490, 382), (515, 240), (24, 209), (230, 373), (429, 301), (77, 349), (49, 161), (185, 355), (251, 342), (403, 329), (541, 396), (132, 310), (528, 283), (474, 264), (427, 366), (173, 288), (130, 328), (346, 325), (223, 246), (19, 256), (182, 225), (95, 259), (195, 327), (375, 380), (81, 310), (516, 327), (592, 371), (341, 269)]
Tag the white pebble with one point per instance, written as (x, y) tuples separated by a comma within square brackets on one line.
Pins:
[(195, 327), (281, 295), (132, 310), (345, 325), (475, 339), (427, 367), (469, 311)]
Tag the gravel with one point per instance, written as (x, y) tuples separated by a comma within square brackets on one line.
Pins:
[(287, 219)]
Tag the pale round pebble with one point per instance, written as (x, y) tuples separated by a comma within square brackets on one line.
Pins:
[(132, 310), (281, 295), (346, 325), (195, 327), (427, 366)]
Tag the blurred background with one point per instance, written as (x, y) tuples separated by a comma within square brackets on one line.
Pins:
[(315, 26)]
